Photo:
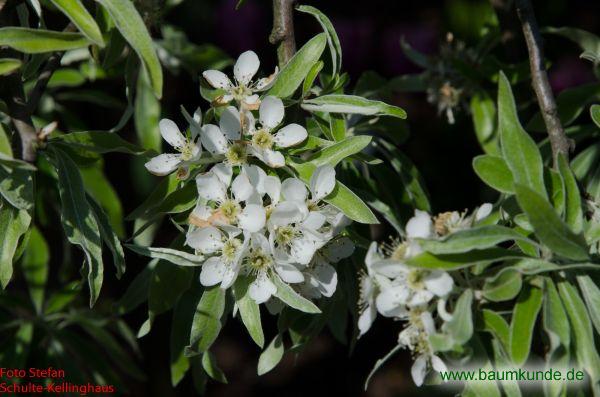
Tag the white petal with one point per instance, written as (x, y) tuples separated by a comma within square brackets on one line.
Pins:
[(289, 273), (213, 139), (325, 274), (322, 182), (271, 112), (241, 187), (217, 79), (252, 100), (206, 240), (271, 158), (366, 318), (483, 211), (428, 324), (230, 123), (252, 218), (246, 67), (438, 364), (442, 312), (389, 268), (170, 133), (290, 135), (420, 225), (303, 248), (210, 187), (391, 299), (420, 297), (314, 221), (261, 289), (373, 255), (339, 249), (419, 370), (439, 282), (272, 186), (259, 241), (224, 172), (266, 82), (285, 213), (212, 272), (257, 177), (294, 189), (230, 275), (163, 164)]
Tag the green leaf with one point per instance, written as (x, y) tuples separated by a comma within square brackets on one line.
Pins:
[(78, 220), (589, 42), (13, 224), (332, 39), (556, 325), (271, 356), (573, 211), (34, 41), (137, 291), (479, 237), (351, 104), (351, 205), (519, 150), (97, 142), (337, 123), (294, 72), (460, 327), (483, 111), (310, 78), (494, 172), (522, 323), (167, 284), (549, 228), (180, 258), (290, 297), (482, 257), (570, 104), (147, 115), (249, 310), (207, 321), (9, 65), (81, 18), (210, 366), (582, 333), (16, 186), (505, 286), (110, 238), (331, 155), (497, 326), (183, 316), (591, 294), (102, 191), (35, 267), (595, 114), (132, 27)]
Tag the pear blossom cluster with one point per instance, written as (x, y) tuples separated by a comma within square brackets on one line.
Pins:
[(414, 295), (249, 220)]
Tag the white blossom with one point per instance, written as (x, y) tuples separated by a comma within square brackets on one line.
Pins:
[(243, 89), (188, 149)]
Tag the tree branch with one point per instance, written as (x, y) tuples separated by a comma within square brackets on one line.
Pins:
[(558, 140), (282, 34)]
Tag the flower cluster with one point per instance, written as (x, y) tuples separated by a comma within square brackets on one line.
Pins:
[(394, 289), (248, 220)]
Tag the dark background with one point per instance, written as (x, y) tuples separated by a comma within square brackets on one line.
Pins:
[(370, 33)]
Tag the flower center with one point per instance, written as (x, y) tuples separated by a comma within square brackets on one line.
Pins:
[(312, 205), (236, 155), (230, 249), (187, 151), (285, 235), (240, 92), (262, 139), (259, 260), (399, 252), (415, 279), (230, 210)]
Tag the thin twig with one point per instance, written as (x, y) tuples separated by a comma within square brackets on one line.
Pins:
[(558, 140), (282, 34)]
